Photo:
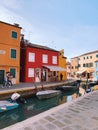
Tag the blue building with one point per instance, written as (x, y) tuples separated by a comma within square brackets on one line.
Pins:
[(96, 70)]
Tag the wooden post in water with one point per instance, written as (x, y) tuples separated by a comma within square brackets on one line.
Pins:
[(35, 85)]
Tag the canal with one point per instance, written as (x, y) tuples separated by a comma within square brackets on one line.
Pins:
[(33, 107)]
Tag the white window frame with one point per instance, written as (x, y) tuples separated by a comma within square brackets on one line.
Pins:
[(30, 72), (45, 58), (54, 59), (31, 57)]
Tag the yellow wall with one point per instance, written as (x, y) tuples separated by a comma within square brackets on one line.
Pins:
[(62, 63), (6, 44)]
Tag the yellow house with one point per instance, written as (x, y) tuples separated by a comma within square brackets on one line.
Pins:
[(62, 63), (10, 51)]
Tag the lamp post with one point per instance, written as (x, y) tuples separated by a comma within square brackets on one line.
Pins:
[(87, 75)]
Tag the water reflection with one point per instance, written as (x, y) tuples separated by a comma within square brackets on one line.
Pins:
[(33, 107)]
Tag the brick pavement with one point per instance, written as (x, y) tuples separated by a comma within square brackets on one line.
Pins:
[(79, 114)]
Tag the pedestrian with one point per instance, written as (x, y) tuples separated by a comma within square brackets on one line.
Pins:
[(9, 79), (61, 76)]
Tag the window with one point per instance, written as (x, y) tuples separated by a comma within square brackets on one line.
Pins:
[(96, 73), (86, 65), (91, 65), (84, 58), (13, 53), (31, 57), (90, 57), (54, 59), (14, 34), (13, 72), (79, 65), (87, 57), (83, 65), (76, 67), (45, 58), (96, 65), (30, 72), (97, 56)]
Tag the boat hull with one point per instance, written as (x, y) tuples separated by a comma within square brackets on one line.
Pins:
[(47, 94), (67, 88), (7, 105)]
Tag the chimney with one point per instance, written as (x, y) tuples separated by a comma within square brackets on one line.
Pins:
[(16, 24)]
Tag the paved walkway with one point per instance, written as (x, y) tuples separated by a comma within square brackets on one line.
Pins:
[(29, 85), (79, 114)]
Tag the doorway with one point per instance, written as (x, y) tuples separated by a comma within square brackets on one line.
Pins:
[(1, 76)]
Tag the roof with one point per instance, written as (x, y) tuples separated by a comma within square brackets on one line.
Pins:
[(14, 25), (89, 53), (96, 61), (28, 44), (86, 54)]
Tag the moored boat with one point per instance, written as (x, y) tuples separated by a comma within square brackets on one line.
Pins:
[(45, 94), (95, 88), (7, 105), (67, 88)]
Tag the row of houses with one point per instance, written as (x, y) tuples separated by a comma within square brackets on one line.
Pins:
[(28, 62), (85, 65)]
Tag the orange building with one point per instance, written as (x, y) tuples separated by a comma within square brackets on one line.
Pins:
[(9, 51), (62, 63)]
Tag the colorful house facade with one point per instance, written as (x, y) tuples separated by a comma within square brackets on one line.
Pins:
[(62, 63), (85, 64), (38, 63), (10, 51)]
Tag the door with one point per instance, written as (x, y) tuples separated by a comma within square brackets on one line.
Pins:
[(45, 74), (37, 75), (1, 76)]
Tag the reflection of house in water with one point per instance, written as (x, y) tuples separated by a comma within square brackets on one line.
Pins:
[(74, 96), (80, 93), (62, 100)]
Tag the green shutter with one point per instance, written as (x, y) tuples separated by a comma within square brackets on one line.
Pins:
[(13, 53), (13, 72), (14, 34)]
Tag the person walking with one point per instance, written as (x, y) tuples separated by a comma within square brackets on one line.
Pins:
[(9, 79), (61, 76)]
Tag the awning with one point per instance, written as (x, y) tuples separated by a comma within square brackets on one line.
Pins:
[(80, 71), (90, 70), (87, 70), (54, 68)]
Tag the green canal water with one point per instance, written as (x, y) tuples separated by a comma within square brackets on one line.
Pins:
[(33, 107)]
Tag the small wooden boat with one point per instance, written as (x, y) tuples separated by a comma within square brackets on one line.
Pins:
[(95, 88), (7, 105), (16, 97), (45, 94), (67, 88)]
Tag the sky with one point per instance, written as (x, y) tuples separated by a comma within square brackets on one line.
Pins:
[(71, 25)]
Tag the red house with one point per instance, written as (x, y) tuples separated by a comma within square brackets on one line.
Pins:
[(38, 63)]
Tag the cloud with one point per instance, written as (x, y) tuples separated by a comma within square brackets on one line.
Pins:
[(75, 39), (12, 4), (11, 17)]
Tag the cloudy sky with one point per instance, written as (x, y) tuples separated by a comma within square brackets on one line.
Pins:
[(71, 25)]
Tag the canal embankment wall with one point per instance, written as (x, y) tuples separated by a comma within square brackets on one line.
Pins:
[(29, 89)]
